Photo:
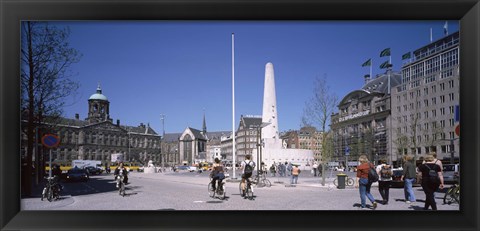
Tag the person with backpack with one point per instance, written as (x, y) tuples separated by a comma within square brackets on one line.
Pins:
[(432, 180), (247, 167), (385, 172), (408, 177), (365, 178)]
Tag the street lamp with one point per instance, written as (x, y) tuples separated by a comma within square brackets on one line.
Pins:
[(259, 146)]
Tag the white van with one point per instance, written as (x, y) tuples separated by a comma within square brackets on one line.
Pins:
[(451, 173)]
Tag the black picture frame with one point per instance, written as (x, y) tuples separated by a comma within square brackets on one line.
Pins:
[(12, 12)]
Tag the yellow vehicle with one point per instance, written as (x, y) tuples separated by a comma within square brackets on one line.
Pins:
[(130, 166), (63, 166)]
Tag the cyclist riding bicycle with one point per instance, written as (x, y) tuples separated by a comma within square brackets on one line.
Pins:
[(247, 167), (123, 171), (217, 173)]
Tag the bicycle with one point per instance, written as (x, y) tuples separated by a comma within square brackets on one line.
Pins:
[(220, 190), (248, 192), (120, 185), (262, 180), (452, 194), (348, 181), (52, 189)]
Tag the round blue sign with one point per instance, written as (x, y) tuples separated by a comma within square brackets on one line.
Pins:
[(50, 140)]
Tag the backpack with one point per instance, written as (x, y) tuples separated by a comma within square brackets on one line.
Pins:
[(432, 175), (248, 168), (386, 172), (372, 175)]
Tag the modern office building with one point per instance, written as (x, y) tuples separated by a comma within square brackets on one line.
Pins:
[(425, 104)]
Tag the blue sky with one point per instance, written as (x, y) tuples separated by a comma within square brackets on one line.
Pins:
[(182, 69)]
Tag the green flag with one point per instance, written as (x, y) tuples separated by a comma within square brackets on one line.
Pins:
[(406, 56), (367, 63), (385, 65), (385, 52)]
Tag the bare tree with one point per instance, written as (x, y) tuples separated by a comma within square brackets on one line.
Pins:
[(317, 113), (46, 57)]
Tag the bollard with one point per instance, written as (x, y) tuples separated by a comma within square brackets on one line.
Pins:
[(341, 180)]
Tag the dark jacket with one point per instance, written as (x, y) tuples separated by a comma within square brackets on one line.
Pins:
[(409, 170)]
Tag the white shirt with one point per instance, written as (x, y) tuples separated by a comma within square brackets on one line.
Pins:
[(245, 162)]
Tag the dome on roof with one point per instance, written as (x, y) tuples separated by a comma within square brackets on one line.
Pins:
[(98, 95)]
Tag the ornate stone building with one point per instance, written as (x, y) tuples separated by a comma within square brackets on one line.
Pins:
[(96, 137), (363, 123)]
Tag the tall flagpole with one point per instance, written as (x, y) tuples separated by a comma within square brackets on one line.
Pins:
[(371, 64), (233, 105)]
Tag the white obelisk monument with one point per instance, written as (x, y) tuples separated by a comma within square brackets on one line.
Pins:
[(273, 150), (269, 114)]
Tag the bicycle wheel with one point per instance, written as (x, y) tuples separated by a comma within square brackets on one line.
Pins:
[(222, 192), (350, 182), (211, 192), (49, 194), (335, 182), (267, 182), (449, 196), (456, 194), (123, 190)]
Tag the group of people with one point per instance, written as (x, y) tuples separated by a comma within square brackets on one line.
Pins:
[(430, 170), (282, 169)]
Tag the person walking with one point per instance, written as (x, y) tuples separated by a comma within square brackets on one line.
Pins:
[(315, 166), (272, 170), (295, 172), (432, 180), (385, 172), (363, 183), (408, 177), (289, 169)]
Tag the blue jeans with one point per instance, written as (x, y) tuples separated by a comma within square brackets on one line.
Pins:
[(294, 179), (408, 189), (364, 187)]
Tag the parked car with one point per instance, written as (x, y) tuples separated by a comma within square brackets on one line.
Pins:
[(451, 173), (77, 174), (182, 168), (397, 178), (192, 168), (91, 170)]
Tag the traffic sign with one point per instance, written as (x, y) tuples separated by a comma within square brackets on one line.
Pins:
[(50, 140), (347, 151), (457, 130)]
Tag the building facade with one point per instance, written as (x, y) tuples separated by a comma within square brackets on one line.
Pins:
[(362, 125), (305, 138), (96, 137), (425, 103)]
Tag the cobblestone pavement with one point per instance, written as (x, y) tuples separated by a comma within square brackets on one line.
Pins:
[(188, 191)]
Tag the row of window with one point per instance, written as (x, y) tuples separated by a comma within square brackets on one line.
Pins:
[(426, 114), (433, 65)]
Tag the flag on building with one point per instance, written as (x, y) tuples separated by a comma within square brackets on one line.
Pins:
[(406, 56), (385, 52), (367, 63), (385, 65), (445, 28)]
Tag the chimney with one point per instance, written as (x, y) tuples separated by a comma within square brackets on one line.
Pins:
[(77, 116), (118, 122), (367, 78)]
